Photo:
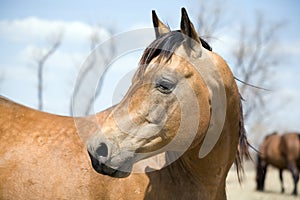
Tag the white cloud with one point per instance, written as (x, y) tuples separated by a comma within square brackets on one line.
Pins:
[(61, 58), (32, 28)]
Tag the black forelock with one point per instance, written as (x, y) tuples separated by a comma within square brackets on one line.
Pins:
[(164, 47)]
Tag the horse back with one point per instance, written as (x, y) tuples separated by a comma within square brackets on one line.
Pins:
[(270, 151), (290, 146), (40, 155)]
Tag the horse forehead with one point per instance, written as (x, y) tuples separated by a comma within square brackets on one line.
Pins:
[(158, 64), (175, 63)]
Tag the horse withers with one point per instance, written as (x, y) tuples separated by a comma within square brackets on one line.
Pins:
[(183, 108), (282, 152)]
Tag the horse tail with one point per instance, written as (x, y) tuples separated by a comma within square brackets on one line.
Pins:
[(243, 146)]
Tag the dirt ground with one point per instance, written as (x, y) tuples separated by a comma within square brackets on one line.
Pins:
[(246, 191)]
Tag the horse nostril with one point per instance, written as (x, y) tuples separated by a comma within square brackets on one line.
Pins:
[(102, 150)]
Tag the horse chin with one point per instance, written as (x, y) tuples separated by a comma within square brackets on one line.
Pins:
[(120, 174), (106, 170)]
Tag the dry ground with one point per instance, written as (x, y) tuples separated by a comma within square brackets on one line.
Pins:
[(246, 191)]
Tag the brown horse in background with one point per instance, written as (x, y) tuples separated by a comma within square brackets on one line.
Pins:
[(282, 152), (45, 156)]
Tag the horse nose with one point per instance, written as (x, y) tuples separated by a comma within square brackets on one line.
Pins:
[(102, 152)]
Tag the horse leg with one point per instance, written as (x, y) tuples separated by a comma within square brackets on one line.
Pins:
[(295, 172), (281, 180), (264, 176), (261, 170)]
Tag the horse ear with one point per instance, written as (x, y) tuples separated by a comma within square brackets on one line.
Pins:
[(160, 28), (187, 27)]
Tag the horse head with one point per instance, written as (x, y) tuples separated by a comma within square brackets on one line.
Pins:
[(168, 106)]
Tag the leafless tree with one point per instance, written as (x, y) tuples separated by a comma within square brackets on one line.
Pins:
[(40, 59), (210, 18), (97, 59), (254, 62)]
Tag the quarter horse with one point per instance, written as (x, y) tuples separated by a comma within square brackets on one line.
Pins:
[(282, 152), (183, 108)]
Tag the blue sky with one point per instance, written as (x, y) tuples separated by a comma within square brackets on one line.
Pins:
[(25, 25)]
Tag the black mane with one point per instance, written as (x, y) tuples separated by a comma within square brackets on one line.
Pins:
[(164, 47), (205, 44)]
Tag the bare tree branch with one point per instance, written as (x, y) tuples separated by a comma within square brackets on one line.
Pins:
[(98, 55), (254, 60), (210, 18), (41, 58)]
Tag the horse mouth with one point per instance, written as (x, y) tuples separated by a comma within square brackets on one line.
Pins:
[(101, 168)]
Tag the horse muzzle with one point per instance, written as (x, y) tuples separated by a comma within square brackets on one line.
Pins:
[(106, 161)]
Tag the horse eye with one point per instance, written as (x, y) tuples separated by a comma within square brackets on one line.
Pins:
[(165, 86)]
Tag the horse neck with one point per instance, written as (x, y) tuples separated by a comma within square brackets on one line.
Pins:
[(208, 173), (197, 168), (197, 174)]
